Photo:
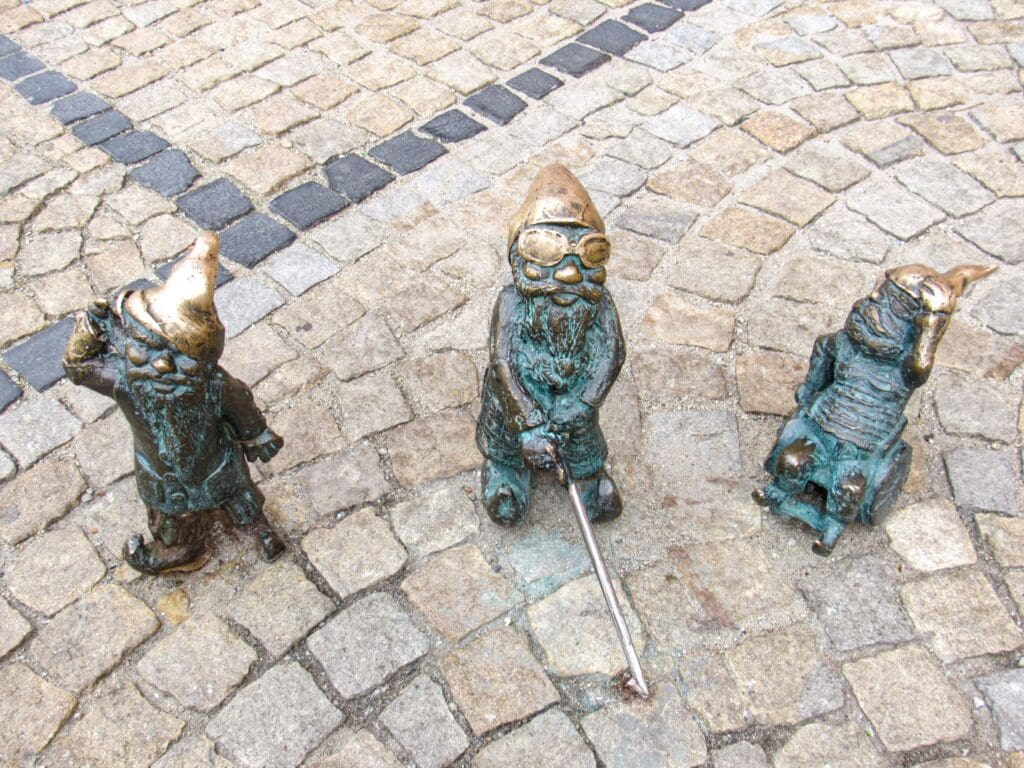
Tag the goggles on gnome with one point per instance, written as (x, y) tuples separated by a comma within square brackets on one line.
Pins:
[(545, 247)]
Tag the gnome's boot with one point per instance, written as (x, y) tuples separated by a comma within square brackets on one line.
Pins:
[(270, 544), (245, 510), (506, 492), (600, 497), (180, 543)]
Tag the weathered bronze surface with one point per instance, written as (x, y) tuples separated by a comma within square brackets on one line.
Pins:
[(555, 350), (155, 353), (840, 456)]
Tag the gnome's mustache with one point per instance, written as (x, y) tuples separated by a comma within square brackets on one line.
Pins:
[(534, 289)]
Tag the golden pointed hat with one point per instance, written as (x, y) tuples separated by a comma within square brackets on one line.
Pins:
[(182, 309), (951, 284), (555, 197)]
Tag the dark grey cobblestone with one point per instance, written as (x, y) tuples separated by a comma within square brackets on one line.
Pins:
[(44, 87), (356, 178), (38, 359), (214, 205), (170, 173)]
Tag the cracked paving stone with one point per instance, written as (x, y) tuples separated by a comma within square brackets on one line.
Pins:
[(452, 126), (31, 712), (612, 37), (170, 173), (947, 132), (54, 570), (38, 360), (33, 499), (366, 345), (307, 204), (357, 553), (908, 699), (243, 302), (354, 666), (419, 718), (9, 391), (253, 238), (19, 64), (575, 60), (930, 536), (836, 746), (356, 178), (195, 752), (660, 733), (78, 106), (133, 146), (983, 479), (547, 739), (942, 185), (276, 720), (428, 524), (535, 83), (458, 591), (788, 197), (997, 231), (407, 152), (118, 728), (298, 268), (200, 663), (44, 87), (13, 628), (892, 208), (496, 680), (496, 103), (89, 638), (370, 404), (961, 615), (214, 205), (1004, 692), (826, 165)]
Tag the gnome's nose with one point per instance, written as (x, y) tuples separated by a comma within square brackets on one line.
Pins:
[(164, 363), (569, 274)]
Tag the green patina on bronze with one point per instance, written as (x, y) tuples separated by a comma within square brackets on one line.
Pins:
[(155, 353), (840, 456), (556, 348)]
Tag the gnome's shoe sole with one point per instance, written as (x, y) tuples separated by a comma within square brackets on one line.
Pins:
[(145, 560)]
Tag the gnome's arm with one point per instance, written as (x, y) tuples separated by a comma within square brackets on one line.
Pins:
[(609, 363), (258, 440), (521, 412), (87, 359), (820, 372)]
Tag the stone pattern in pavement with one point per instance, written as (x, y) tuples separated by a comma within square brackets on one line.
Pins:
[(759, 163)]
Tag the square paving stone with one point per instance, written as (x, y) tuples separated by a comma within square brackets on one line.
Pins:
[(54, 570), (214, 205), (497, 103), (535, 83), (496, 680), (983, 479), (7, 46), (252, 239), (356, 666), (298, 268), (18, 65), (31, 712), (223, 276), (78, 106), (34, 498), (420, 720), (9, 391), (101, 127), (90, 637), (199, 663), (355, 177), (453, 125), (133, 146), (1004, 692), (653, 18), (38, 360), (243, 302), (537, 743), (44, 87), (170, 173), (408, 152), (575, 60), (308, 204), (275, 721), (613, 37)]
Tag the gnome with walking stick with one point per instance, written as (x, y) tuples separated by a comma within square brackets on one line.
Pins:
[(556, 348), (155, 353)]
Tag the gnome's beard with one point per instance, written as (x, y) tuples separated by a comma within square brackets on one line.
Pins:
[(562, 331), (180, 425)]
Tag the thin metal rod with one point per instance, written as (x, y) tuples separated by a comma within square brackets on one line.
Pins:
[(636, 683)]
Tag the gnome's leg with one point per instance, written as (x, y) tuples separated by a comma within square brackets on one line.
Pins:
[(506, 491), (601, 497), (180, 543), (246, 511)]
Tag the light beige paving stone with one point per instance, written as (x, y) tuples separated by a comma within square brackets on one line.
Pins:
[(357, 553), (1005, 536), (421, 721), (930, 536), (787, 196), (673, 319), (549, 739), (433, 448), (690, 182), (746, 229), (440, 381), (877, 101), (370, 404), (729, 151), (54, 570), (825, 111), (19, 317), (667, 375), (458, 591), (31, 712), (948, 132), (908, 699), (105, 451), (892, 208), (343, 480), (766, 381), (495, 680), (309, 431), (128, 77), (838, 746), (197, 752), (996, 168), (433, 522), (89, 638), (35, 498), (961, 614), (942, 185), (937, 92), (13, 628), (661, 734), (359, 750), (267, 168)]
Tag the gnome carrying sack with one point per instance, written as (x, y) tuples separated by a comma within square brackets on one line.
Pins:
[(840, 456), (154, 352)]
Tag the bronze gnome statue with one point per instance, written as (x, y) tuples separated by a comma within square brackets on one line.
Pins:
[(555, 350), (840, 456), (155, 353)]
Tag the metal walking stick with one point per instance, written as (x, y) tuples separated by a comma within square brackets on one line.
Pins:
[(635, 682)]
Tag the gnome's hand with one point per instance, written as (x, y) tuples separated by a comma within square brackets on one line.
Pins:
[(538, 449), (264, 446)]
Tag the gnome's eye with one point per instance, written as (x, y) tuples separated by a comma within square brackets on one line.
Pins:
[(137, 354)]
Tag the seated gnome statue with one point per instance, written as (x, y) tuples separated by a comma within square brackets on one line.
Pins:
[(840, 456), (555, 350), (155, 352)]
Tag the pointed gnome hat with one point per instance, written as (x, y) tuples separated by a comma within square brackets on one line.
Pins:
[(555, 197), (182, 309), (952, 284)]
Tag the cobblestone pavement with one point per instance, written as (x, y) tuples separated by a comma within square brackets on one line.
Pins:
[(759, 164)]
